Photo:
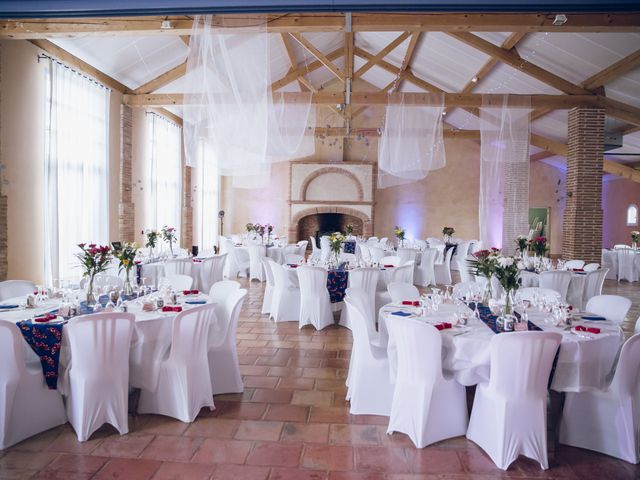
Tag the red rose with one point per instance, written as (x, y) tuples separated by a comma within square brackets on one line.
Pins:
[(81, 245)]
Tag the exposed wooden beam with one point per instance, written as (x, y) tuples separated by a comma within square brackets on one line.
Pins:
[(406, 61), (381, 54), (286, 41), (541, 155), (73, 61), (293, 75), (548, 145), (615, 168), (375, 132), (163, 79), (27, 29), (361, 110), (167, 114), (620, 110), (322, 58), (609, 74)]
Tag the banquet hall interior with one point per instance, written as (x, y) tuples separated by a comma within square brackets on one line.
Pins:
[(345, 240)]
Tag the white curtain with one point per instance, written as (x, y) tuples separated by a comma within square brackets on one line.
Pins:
[(206, 199), (164, 151), (504, 171), (76, 169), (412, 143), (229, 103)]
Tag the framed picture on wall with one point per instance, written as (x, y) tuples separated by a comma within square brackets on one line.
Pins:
[(539, 222)]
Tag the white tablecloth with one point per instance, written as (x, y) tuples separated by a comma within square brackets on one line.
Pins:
[(610, 261), (583, 363)]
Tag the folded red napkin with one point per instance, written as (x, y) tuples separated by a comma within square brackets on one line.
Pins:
[(580, 328), (197, 261), (443, 325), (45, 318), (293, 265), (388, 266), (169, 308), (415, 303), (190, 292), (578, 269)]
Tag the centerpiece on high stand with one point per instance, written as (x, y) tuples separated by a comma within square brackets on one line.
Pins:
[(447, 234), (523, 245), (634, 239), (169, 236), (483, 264), (349, 230), (269, 229), (152, 241), (94, 259), (400, 235), (127, 255), (336, 240)]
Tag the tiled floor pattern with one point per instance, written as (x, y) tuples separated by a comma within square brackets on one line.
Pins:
[(292, 422)]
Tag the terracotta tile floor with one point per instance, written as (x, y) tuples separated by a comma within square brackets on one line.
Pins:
[(292, 422)]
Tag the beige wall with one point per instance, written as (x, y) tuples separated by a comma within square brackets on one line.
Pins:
[(546, 189), (617, 195)]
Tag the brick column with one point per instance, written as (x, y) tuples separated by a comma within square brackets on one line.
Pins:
[(4, 238), (582, 226), (126, 207), (186, 236)]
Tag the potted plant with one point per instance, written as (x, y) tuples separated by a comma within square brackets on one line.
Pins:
[(94, 259)]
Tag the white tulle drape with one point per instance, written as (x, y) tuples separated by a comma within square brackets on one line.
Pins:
[(504, 171), (411, 144), (229, 103)]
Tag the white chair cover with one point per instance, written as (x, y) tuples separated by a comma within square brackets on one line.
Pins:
[(363, 251), (365, 279), (223, 356), (27, 406), (424, 272), (180, 266), (325, 249), (557, 280), (459, 259), (184, 385), (443, 270), (231, 265), (97, 382), (626, 265), (293, 259), (391, 260), (315, 251), (590, 267), (219, 292), (509, 411), (407, 255), (369, 388), (178, 282), (315, 305), (593, 282), (377, 254), (285, 302), (211, 271), (256, 252), (571, 264), (372, 241), (402, 291), (608, 421), (302, 248), (610, 261), (465, 269), (611, 307), (426, 406), (268, 290), (433, 241), (383, 241), (15, 288)]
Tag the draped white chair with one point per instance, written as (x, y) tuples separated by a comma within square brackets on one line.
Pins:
[(593, 282), (391, 260), (384, 241), (211, 271), (372, 242), (421, 244), (476, 245), (433, 241), (220, 291), (293, 259), (424, 274), (16, 288), (231, 268), (574, 264), (528, 294), (268, 290), (442, 270), (369, 388), (256, 252), (557, 280), (285, 302), (97, 383), (27, 406), (178, 282), (365, 279), (315, 304), (607, 421), (403, 274), (459, 259), (465, 270), (611, 307), (184, 385), (224, 367), (407, 255), (364, 252), (610, 261), (591, 267), (422, 394), (520, 367), (466, 290), (626, 265), (402, 291), (316, 253), (179, 266), (377, 254), (325, 248), (302, 248)]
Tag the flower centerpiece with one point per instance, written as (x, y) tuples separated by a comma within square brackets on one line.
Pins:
[(483, 264), (94, 259), (523, 243), (634, 239), (399, 233), (269, 229), (127, 255), (251, 227), (335, 245), (152, 240), (507, 272), (447, 233), (169, 236), (349, 229), (260, 229), (539, 246)]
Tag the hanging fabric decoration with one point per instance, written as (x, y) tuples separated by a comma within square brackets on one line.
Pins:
[(504, 171), (230, 106), (412, 143)]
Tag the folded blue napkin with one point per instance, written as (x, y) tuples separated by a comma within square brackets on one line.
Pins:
[(401, 314), (9, 306), (195, 302), (593, 318)]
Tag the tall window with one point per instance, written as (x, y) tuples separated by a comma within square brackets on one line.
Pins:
[(632, 215), (206, 196), (76, 168), (165, 173)]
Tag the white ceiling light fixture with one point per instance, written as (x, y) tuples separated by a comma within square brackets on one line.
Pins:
[(474, 79), (560, 20), (166, 24)]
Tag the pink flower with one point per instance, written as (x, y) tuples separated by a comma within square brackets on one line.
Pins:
[(81, 245)]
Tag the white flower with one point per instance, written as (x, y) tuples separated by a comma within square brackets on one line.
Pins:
[(505, 262), (521, 266)]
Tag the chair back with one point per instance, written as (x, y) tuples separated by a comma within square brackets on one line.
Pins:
[(256, 252), (290, 249), (179, 266), (373, 241), (16, 288), (280, 276), (302, 248), (179, 282), (402, 291), (591, 267), (466, 290), (219, 291), (222, 241), (571, 264), (360, 309), (100, 344), (528, 294), (293, 259), (593, 282), (611, 307), (377, 254), (421, 244), (429, 257), (391, 260), (364, 252), (267, 271), (433, 241), (419, 351), (627, 375), (365, 279), (12, 364), (312, 281), (557, 280), (476, 245), (465, 269), (190, 333), (383, 241), (211, 270), (224, 330), (314, 248), (407, 255), (402, 274), (521, 363), (462, 250)]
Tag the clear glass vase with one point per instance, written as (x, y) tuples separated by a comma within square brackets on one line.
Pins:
[(488, 293), (90, 296), (127, 288), (509, 302)]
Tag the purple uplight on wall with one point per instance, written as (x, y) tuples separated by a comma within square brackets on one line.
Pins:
[(410, 218)]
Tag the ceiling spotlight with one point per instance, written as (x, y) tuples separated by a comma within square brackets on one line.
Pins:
[(166, 24), (444, 113), (474, 79), (560, 20)]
